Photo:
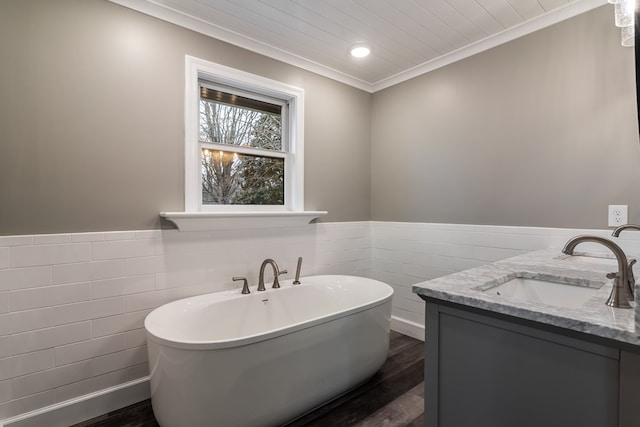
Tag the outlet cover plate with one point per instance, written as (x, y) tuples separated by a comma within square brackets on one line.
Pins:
[(618, 215)]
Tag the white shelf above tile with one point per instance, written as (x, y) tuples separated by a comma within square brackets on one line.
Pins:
[(202, 221)]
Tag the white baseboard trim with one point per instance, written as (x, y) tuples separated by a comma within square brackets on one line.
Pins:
[(407, 327), (84, 407)]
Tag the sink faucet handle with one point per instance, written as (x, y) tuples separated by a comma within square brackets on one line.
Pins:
[(245, 286), (621, 293), (631, 279), (276, 282)]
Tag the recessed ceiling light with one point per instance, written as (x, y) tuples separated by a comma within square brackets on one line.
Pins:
[(360, 51)]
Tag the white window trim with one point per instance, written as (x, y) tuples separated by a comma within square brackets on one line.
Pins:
[(224, 217), (196, 69)]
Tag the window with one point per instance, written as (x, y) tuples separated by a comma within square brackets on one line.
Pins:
[(244, 143), (243, 148)]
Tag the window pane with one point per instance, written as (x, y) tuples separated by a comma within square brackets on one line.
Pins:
[(221, 123), (239, 179)]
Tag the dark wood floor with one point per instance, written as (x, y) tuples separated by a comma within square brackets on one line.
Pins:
[(393, 397)]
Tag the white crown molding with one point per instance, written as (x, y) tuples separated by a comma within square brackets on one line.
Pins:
[(563, 13), (165, 13)]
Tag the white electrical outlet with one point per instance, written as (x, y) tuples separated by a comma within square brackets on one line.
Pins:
[(618, 215)]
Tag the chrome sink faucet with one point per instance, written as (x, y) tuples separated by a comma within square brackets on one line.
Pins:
[(276, 273), (630, 276), (618, 230), (620, 294)]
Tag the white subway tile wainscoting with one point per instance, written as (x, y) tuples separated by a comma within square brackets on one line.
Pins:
[(72, 306), (407, 253)]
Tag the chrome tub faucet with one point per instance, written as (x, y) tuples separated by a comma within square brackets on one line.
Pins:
[(276, 273)]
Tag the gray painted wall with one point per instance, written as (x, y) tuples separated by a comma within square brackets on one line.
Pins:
[(537, 132), (541, 131), (92, 122)]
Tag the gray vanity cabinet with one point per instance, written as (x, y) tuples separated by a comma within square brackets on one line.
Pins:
[(484, 369)]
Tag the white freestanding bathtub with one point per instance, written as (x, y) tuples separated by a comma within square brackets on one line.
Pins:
[(262, 359)]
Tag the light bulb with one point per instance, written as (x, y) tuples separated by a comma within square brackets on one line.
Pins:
[(628, 36), (360, 51), (624, 13)]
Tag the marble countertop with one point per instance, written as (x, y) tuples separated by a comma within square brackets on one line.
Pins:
[(593, 317)]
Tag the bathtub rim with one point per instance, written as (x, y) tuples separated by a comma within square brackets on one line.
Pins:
[(274, 333)]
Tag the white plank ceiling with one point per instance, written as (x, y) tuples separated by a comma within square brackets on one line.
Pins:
[(406, 37)]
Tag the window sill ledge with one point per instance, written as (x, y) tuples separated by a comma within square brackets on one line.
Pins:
[(203, 221)]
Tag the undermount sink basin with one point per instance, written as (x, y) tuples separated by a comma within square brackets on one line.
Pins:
[(544, 292)]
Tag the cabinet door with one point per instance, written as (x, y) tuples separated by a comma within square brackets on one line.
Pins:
[(495, 373)]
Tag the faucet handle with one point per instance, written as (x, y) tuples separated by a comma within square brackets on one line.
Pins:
[(276, 282), (620, 294), (245, 286), (628, 287), (631, 278), (296, 281)]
